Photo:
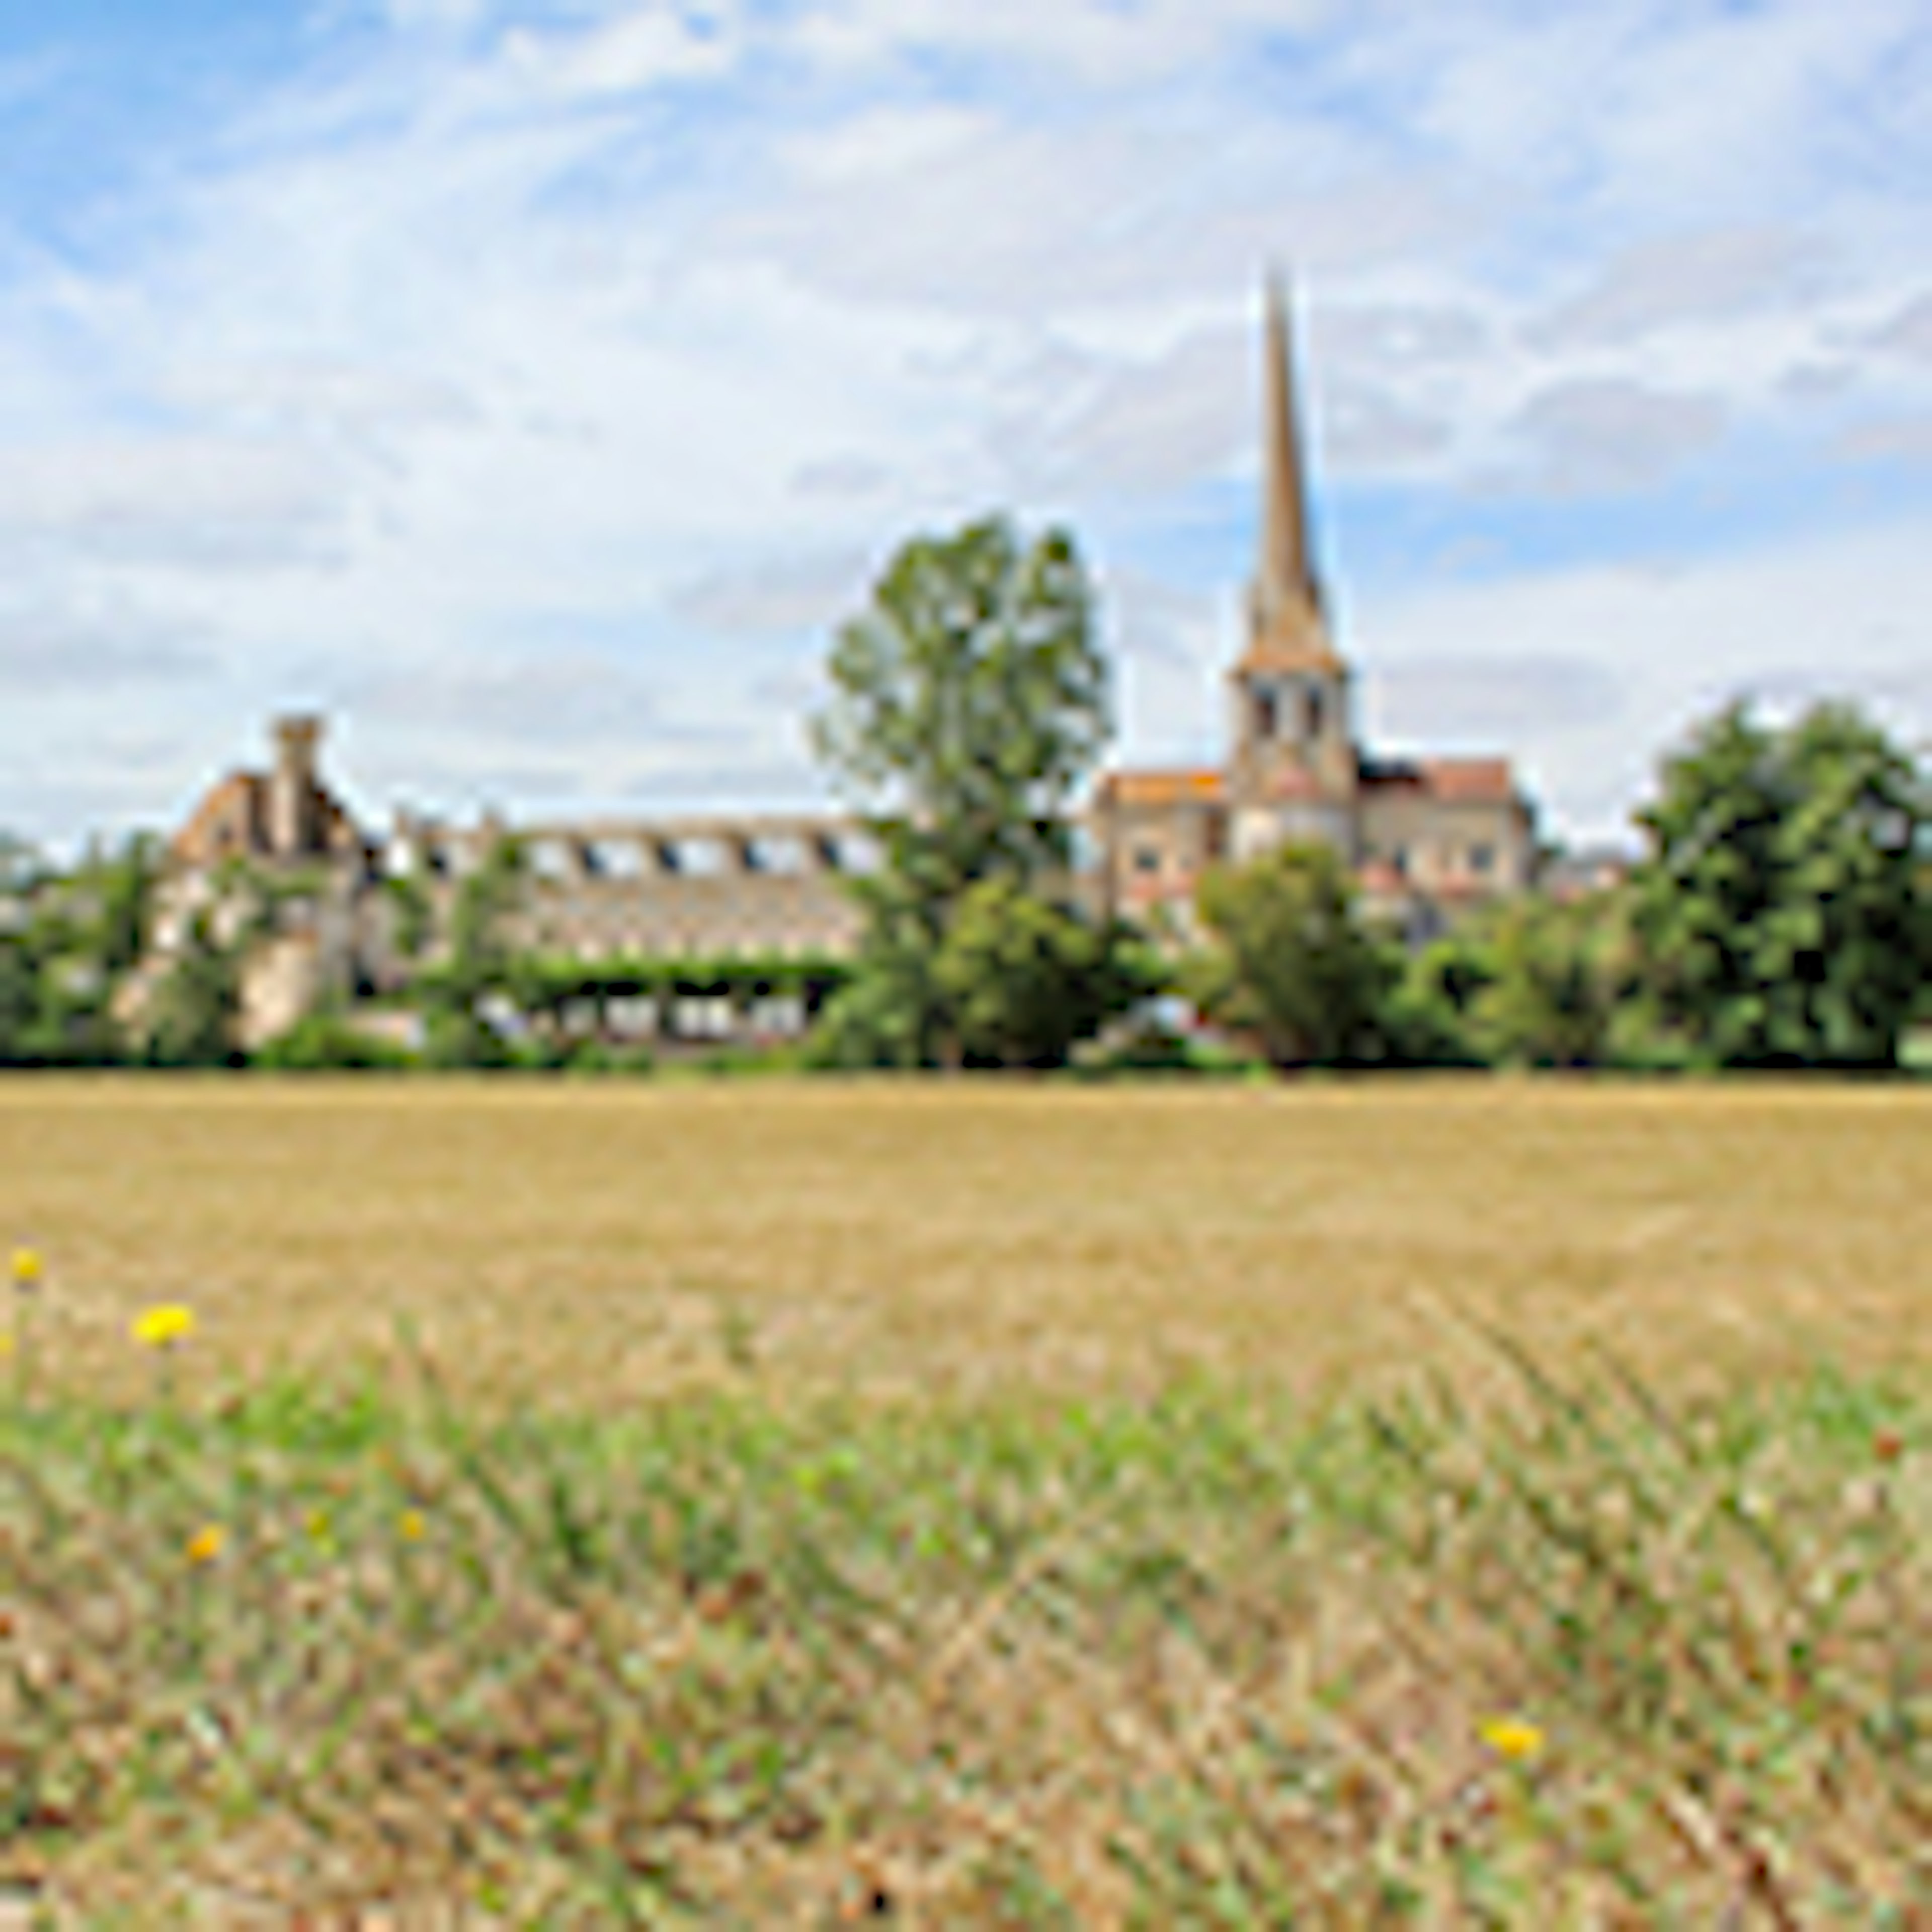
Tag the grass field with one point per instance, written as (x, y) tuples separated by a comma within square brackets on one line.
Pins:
[(595, 1244), (536, 1528)]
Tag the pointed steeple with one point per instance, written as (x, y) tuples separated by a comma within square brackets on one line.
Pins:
[(1285, 613)]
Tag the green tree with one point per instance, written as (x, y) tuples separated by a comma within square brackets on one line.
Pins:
[(21, 874), (1024, 979), (481, 965), (65, 940), (969, 700), (1430, 1017), (482, 951), (19, 998), (1778, 915), (1549, 992), (413, 917), (1290, 962), (890, 1013), (121, 884)]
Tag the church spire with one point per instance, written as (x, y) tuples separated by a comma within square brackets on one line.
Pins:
[(1287, 613)]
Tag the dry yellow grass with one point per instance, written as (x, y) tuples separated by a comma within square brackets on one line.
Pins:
[(598, 1242)]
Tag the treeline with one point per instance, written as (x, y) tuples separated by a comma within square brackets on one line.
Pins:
[(1779, 915), (69, 937)]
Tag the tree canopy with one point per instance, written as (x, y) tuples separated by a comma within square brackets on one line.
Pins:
[(1290, 961), (1025, 979), (969, 701), (1779, 915), (66, 939)]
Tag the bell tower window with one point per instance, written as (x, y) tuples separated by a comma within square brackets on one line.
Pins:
[(1268, 711)]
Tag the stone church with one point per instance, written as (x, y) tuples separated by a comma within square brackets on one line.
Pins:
[(1425, 836)]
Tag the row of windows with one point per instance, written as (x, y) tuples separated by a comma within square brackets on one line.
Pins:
[(642, 943), (688, 1016), (1479, 859), (622, 860)]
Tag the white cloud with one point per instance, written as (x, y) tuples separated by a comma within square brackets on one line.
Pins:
[(1888, 438), (1712, 275), (1597, 434), (1098, 42), (1910, 332), (1498, 700), (1830, 615), (879, 143), (411, 16), (785, 595), (196, 499), (639, 48), (46, 647)]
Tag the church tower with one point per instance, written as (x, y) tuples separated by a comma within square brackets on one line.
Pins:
[(1294, 772)]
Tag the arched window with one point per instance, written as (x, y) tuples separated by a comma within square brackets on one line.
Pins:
[(1314, 711), (1268, 711)]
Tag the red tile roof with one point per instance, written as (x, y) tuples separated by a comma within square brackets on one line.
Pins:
[(1487, 778), (1162, 787), (1452, 781)]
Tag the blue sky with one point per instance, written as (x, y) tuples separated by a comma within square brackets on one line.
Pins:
[(534, 385)]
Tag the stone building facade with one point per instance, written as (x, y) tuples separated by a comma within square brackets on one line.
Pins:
[(282, 843), (1425, 836)]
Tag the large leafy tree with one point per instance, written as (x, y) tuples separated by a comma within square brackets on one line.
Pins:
[(969, 700), (1528, 982), (1025, 979), (1290, 961), (1552, 975), (890, 1013), (1779, 915)]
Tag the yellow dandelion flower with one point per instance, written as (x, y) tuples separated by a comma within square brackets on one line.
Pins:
[(6, 1345), (163, 1327), (1514, 1738), (319, 1525), (413, 1527), (28, 1267), (205, 1545)]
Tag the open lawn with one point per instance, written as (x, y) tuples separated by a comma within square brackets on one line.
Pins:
[(504, 1546), (597, 1244)]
